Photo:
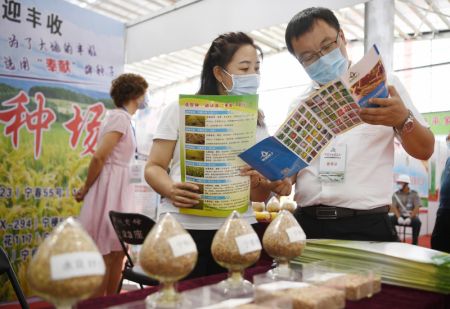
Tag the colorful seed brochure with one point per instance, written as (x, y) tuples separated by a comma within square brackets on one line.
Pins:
[(214, 130), (325, 113)]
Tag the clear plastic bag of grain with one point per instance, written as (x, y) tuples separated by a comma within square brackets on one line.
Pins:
[(258, 206), (67, 266), (273, 205), (289, 205), (284, 240), (235, 246), (356, 283), (301, 294), (168, 253)]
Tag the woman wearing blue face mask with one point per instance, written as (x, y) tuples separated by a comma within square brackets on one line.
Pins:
[(231, 66)]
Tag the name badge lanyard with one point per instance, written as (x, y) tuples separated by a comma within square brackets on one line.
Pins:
[(136, 153)]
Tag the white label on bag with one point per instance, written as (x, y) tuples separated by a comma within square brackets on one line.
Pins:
[(182, 244), (248, 243), (282, 285), (229, 303), (77, 264), (324, 277), (295, 234)]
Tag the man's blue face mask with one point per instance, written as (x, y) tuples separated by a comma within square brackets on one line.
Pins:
[(328, 68)]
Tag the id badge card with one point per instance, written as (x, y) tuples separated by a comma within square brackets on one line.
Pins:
[(332, 164), (137, 172)]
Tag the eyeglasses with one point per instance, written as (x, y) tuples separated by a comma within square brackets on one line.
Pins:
[(313, 57)]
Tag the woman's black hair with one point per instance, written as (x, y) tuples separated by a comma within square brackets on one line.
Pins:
[(220, 53)]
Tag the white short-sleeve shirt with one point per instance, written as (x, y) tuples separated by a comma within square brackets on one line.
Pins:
[(369, 166), (168, 129)]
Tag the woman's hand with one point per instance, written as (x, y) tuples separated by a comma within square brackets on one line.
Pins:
[(255, 177), (280, 187), (79, 197), (183, 194)]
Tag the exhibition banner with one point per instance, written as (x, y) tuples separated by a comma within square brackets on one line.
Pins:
[(57, 61)]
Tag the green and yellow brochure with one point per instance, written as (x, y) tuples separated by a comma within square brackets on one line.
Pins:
[(214, 130)]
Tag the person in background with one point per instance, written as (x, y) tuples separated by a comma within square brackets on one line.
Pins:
[(231, 66), (440, 238), (355, 207), (107, 186), (405, 206)]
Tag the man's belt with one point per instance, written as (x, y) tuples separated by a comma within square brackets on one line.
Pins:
[(332, 212)]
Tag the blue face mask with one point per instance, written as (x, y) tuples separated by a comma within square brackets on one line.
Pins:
[(145, 102), (328, 67), (243, 84)]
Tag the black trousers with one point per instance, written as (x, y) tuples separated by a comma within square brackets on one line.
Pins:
[(440, 239), (205, 263), (372, 227), (415, 224)]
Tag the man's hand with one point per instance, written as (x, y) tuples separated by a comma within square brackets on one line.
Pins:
[(392, 111), (400, 221)]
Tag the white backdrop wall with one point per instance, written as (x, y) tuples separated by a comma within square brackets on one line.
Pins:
[(282, 78)]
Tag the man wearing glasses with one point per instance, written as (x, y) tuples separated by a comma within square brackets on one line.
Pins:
[(354, 206)]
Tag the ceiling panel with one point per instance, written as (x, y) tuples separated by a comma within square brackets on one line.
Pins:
[(413, 18)]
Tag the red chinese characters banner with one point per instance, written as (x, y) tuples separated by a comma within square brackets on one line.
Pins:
[(56, 65)]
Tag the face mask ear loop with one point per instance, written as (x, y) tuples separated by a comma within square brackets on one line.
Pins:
[(228, 90)]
